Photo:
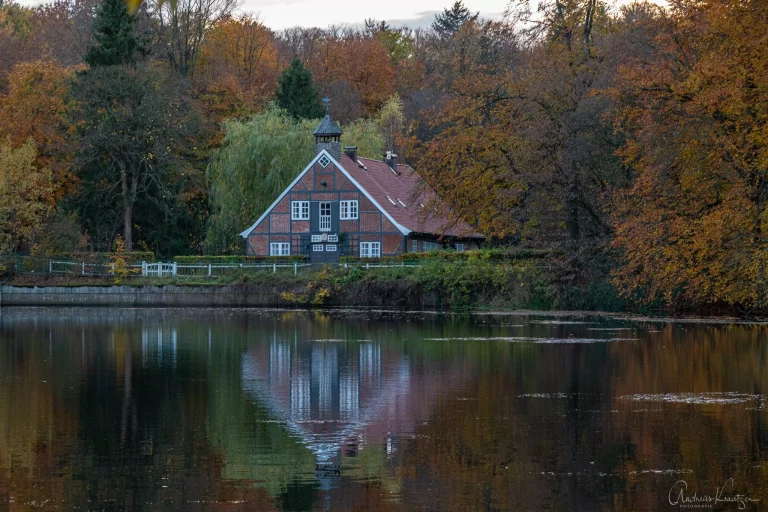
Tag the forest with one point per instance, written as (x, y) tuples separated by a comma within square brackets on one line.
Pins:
[(629, 139)]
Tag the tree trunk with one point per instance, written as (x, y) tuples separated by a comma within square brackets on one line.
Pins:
[(572, 213), (128, 224)]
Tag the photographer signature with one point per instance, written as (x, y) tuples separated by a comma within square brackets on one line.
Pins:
[(678, 496)]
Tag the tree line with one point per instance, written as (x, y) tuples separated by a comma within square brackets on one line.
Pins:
[(628, 137)]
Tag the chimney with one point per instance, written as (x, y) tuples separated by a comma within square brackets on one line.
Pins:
[(391, 160), (351, 152)]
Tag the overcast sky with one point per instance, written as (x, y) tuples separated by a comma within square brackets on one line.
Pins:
[(279, 14)]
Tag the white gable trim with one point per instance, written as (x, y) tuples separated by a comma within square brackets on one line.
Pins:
[(247, 232), (402, 229)]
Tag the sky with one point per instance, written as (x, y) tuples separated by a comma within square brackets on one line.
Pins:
[(278, 14)]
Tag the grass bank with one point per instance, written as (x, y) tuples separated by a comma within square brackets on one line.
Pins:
[(474, 282)]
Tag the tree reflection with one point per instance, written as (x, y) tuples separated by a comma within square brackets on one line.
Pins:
[(134, 409)]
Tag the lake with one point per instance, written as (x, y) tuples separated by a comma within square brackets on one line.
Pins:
[(217, 409)]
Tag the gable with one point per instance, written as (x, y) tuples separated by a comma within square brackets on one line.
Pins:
[(336, 176)]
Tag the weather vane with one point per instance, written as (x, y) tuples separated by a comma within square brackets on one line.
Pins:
[(327, 102)]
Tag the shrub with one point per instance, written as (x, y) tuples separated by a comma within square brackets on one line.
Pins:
[(239, 259)]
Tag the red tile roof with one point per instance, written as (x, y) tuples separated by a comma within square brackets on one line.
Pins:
[(408, 191)]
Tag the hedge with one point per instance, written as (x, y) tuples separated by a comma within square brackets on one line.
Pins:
[(100, 257), (238, 259), (498, 255)]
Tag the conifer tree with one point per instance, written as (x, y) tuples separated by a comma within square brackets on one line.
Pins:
[(450, 20), (296, 92), (115, 34)]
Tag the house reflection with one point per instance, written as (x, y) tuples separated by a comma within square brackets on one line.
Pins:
[(334, 396)]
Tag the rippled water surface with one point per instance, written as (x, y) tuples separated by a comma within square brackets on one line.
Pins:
[(138, 409)]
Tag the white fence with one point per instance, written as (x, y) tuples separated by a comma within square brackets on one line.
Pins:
[(175, 269)]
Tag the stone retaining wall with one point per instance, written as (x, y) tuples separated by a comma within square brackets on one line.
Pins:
[(242, 295)]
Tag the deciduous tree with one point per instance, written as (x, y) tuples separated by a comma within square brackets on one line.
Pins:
[(693, 225), (26, 196)]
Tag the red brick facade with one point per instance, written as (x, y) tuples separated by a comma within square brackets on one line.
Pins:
[(325, 185), (324, 236)]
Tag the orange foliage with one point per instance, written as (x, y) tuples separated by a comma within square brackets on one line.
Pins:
[(693, 225), (363, 62), (37, 106), (240, 52)]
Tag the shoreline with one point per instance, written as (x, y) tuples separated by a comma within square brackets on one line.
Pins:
[(264, 298)]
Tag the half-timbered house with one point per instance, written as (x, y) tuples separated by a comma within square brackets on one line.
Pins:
[(345, 205)]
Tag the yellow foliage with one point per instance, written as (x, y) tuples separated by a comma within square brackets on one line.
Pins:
[(25, 196)]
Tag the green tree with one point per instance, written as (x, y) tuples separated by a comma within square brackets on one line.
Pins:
[(259, 158), (296, 92), (116, 40), (447, 23), (129, 122), (391, 121)]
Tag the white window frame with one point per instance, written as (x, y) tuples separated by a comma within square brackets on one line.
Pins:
[(430, 246), (370, 249), (333, 238), (324, 161), (317, 248), (330, 248), (325, 220), (414, 246), (317, 238), (280, 249), (299, 210), (349, 210), (460, 248)]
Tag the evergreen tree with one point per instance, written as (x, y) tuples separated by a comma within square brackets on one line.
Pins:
[(451, 20), (115, 34), (296, 92)]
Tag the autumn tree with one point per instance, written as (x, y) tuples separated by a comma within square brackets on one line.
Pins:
[(240, 51), (37, 106), (296, 92), (183, 25), (26, 196), (692, 227)]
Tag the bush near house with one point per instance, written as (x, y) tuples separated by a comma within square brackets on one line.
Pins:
[(238, 259), (494, 255)]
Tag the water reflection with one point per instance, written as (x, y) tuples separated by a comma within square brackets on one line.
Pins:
[(213, 409)]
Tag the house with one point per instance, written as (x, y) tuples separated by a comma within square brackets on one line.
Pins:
[(345, 205)]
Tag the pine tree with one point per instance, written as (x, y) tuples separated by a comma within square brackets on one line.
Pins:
[(296, 92), (115, 34), (451, 20)]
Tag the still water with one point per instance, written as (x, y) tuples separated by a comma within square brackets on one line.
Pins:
[(137, 409)]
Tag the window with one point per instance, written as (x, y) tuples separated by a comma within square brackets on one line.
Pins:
[(317, 248), (414, 246), (430, 246), (325, 216), (459, 247), (370, 249), (280, 249), (324, 161), (300, 210), (348, 210), (317, 238), (333, 238), (330, 248)]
